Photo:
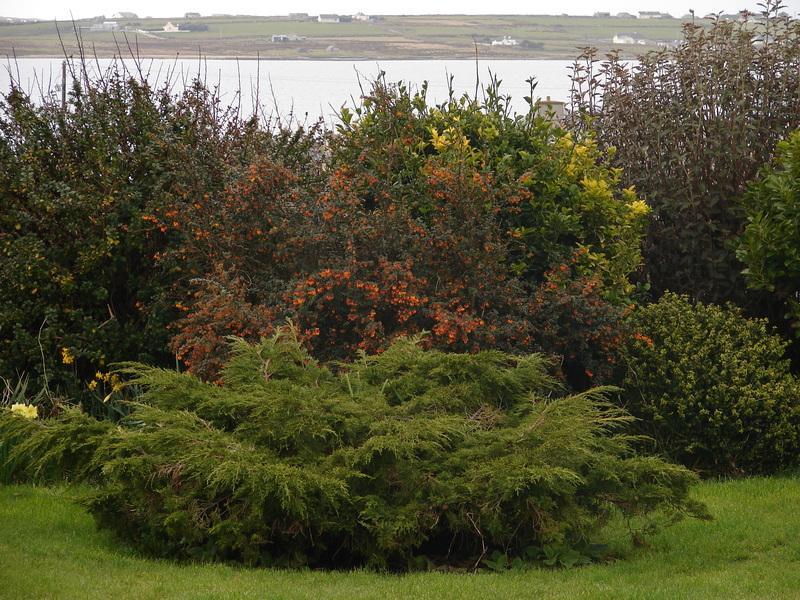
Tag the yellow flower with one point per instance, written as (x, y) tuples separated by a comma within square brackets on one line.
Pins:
[(100, 376), (67, 357), (29, 411), (92, 384)]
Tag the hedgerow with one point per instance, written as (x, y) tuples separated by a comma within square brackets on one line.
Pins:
[(409, 456), (141, 224)]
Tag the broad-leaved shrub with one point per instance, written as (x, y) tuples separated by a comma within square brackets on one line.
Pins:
[(447, 219), (769, 246)]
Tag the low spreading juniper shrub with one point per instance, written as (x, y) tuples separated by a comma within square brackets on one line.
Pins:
[(405, 457), (55, 449), (713, 388)]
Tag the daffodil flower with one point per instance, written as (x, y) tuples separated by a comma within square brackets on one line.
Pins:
[(29, 411)]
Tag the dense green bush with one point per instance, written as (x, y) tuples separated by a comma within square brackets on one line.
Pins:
[(691, 126), (712, 387), (76, 257), (770, 243), (83, 189), (401, 459)]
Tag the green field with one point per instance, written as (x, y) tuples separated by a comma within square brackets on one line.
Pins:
[(402, 37), (50, 549)]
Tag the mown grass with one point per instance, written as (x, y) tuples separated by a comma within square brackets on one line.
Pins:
[(49, 548)]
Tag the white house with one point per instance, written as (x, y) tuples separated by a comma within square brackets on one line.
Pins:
[(551, 109), (359, 16), (506, 41), (287, 37), (170, 28), (625, 39), (105, 26), (329, 19)]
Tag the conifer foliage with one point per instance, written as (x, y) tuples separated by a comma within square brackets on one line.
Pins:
[(405, 458)]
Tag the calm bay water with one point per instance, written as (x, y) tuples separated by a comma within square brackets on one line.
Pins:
[(310, 89)]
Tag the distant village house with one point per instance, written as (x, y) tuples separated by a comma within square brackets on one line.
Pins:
[(192, 15), (287, 37), (17, 20), (551, 109), (105, 26), (329, 19), (625, 39), (506, 41), (170, 28)]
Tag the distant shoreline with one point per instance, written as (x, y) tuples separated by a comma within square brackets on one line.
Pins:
[(287, 59)]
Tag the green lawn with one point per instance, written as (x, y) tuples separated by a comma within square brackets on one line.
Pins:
[(49, 548)]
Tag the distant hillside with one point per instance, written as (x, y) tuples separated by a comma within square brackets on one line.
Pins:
[(401, 37)]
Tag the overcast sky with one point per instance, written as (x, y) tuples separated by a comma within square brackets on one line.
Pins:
[(49, 9)]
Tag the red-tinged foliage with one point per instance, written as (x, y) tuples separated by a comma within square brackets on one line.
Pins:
[(572, 319), (198, 225), (354, 277), (219, 310)]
